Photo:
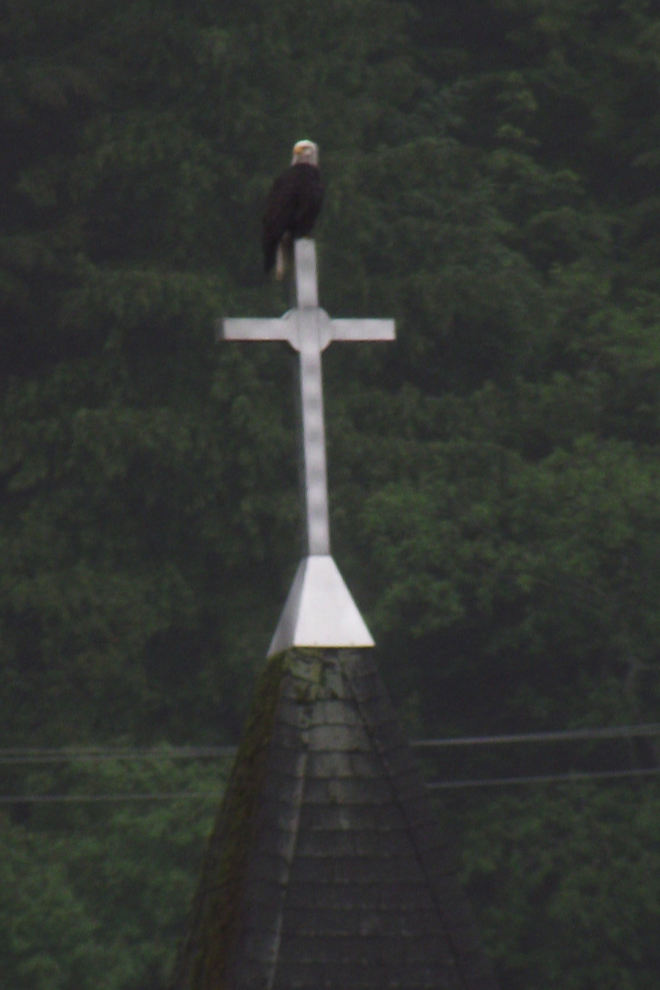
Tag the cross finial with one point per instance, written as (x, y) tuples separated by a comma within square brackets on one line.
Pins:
[(319, 610)]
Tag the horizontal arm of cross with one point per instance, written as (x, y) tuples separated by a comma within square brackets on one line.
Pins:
[(256, 329), (296, 324), (363, 329)]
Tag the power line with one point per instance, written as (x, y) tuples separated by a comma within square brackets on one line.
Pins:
[(54, 798), (432, 786), (99, 754), (129, 755), (564, 735), (444, 785)]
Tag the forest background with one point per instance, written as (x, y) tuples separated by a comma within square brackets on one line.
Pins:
[(492, 172)]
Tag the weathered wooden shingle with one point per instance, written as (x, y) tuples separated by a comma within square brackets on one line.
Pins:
[(326, 869)]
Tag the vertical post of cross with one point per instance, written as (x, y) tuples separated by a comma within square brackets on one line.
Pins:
[(312, 427)]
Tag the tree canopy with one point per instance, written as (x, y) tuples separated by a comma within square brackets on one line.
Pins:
[(492, 182)]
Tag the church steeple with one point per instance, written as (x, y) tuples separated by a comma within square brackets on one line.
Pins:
[(325, 868)]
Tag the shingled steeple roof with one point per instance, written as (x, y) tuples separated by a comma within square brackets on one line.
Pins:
[(325, 868)]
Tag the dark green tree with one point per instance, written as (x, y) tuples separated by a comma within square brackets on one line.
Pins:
[(492, 171)]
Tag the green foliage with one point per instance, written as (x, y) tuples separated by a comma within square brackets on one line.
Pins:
[(93, 894), (480, 552), (568, 882), (492, 182)]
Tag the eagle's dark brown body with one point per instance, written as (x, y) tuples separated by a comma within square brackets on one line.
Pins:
[(293, 204)]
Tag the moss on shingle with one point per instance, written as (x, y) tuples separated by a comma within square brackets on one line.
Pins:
[(204, 962)]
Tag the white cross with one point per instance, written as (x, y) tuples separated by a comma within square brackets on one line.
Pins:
[(319, 610)]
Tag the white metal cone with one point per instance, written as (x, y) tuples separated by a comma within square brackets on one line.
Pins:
[(319, 610)]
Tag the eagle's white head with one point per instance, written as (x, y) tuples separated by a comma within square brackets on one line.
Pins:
[(305, 153)]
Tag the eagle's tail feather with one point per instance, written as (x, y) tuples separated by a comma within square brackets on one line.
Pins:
[(283, 257)]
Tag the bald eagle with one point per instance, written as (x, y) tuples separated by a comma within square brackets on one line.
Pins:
[(293, 204)]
